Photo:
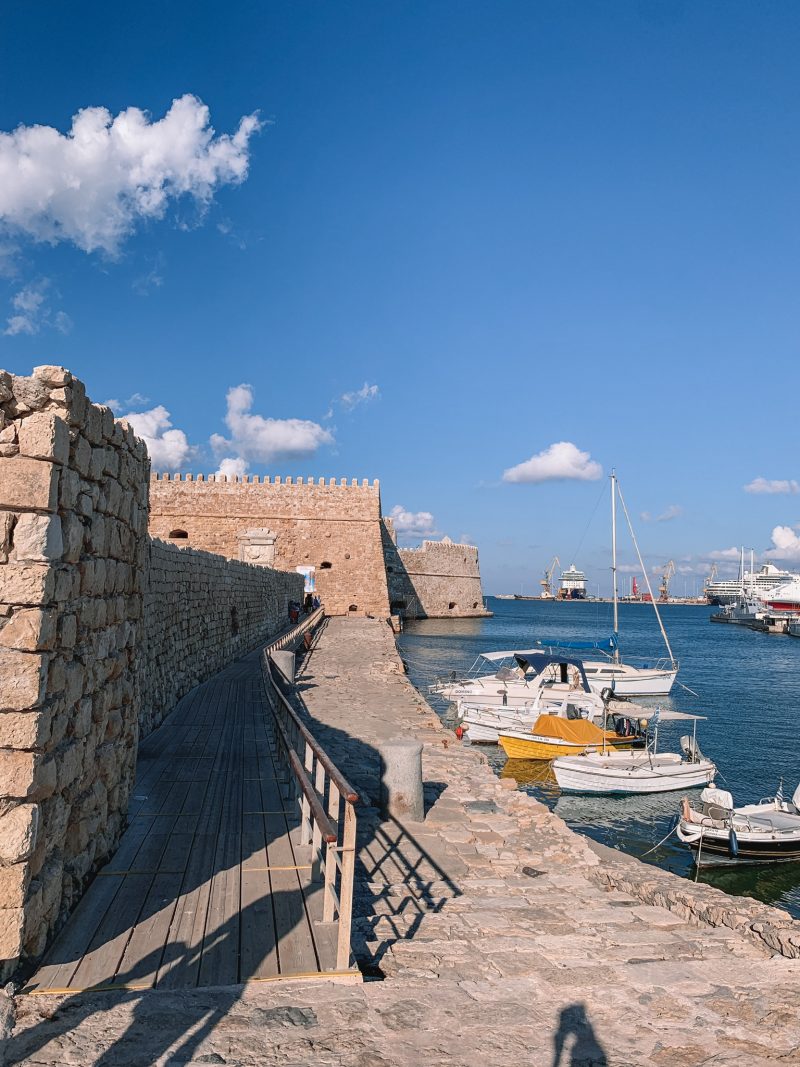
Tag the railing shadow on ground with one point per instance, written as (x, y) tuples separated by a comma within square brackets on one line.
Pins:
[(390, 855)]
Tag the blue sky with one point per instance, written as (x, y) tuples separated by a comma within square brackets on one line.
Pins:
[(525, 224)]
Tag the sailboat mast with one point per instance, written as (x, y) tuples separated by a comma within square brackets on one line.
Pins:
[(614, 559)]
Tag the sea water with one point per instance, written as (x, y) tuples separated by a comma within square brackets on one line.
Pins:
[(747, 684)]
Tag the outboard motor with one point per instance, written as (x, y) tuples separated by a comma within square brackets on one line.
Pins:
[(691, 749)]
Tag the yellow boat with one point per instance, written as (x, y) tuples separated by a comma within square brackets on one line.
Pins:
[(552, 735)]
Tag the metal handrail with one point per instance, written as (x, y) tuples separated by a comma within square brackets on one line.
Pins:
[(318, 783)]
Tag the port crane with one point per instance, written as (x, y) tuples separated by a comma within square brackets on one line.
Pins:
[(666, 577), (712, 575), (546, 582)]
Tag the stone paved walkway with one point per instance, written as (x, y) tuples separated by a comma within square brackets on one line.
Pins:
[(496, 943)]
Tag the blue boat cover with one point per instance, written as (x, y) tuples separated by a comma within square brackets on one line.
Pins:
[(607, 645)]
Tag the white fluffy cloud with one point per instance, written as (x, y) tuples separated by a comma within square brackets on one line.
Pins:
[(785, 544), (169, 448), (562, 461), (233, 467), (360, 396), (725, 553), (91, 185), (31, 311), (255, 439), (412, 523), (772, 485)]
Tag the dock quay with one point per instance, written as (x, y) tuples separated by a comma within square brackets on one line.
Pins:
[(488, 933)]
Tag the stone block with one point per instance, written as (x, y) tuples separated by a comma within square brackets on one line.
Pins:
[(26, 775), (22, 677), (7, 521), (19, 829), (28, 629), (72, 532), (26, 583), (44, 436), (37, 539), (12, 921), (28, 484), (14, 882), (52, 375), (82, 456), (25, 729)]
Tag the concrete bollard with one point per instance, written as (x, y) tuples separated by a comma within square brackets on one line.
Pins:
[(285, 662), (401, 779)]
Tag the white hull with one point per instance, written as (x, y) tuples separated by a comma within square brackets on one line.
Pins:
[(630, 772), (629, 681)]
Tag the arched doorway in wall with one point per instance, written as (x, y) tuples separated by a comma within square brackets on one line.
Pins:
[(178, 535)]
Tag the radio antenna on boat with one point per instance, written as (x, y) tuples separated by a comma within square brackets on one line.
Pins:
[(615, 481), (614, 562)]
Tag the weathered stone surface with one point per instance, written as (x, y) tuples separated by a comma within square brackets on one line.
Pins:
[(25, 729), (37, 539), (18, 833), (44, 436), (28, 629), (26, 775), (26, 583), (12, 921), (29, 484), (23, 675)]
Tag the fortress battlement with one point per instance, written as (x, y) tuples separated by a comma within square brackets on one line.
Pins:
[(255, 479)]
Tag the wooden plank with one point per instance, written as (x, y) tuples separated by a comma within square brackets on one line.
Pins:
[(99, 963), (259, 955), (143, 953), (296, 950), (180, 964), (71, 944)]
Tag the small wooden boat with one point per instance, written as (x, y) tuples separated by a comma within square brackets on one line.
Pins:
[(720, 834), (649, 771), (554, 735)]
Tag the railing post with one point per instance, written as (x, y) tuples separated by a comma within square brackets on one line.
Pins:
[(348, 857), (305, 807), (328, 905)]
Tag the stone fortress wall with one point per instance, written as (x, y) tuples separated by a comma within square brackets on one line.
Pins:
[(101, 631), (440, 579), (73, 515), (334, 527), (201, 612)]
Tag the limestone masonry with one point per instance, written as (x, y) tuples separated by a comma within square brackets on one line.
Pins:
[(437, 579)]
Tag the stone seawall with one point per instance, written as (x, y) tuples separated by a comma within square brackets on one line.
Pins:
[(202, 611)]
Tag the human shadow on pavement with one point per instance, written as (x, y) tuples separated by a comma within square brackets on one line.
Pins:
[(585, 1050)]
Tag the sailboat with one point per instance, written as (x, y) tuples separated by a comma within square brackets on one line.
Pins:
[(646, 678)]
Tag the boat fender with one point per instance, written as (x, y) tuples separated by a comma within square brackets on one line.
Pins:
[(459, 732), (686, 811), (733, 844)]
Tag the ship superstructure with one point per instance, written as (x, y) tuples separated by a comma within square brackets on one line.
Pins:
[(572, 585), (749, 584)]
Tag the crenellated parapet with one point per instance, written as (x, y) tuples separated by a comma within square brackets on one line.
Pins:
[(255, 479)]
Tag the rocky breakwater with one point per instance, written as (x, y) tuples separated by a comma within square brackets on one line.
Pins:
[(73, 527)]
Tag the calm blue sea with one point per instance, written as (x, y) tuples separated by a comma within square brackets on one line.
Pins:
[(748, 685)]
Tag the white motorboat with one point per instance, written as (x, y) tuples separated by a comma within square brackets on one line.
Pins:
[(719, 833), (645, 771), (533, 675)]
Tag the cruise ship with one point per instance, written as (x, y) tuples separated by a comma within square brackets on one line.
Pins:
[(752, 583), (572, 585)]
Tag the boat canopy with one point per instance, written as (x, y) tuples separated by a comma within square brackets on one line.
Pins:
[(608, 644), (538, 662)]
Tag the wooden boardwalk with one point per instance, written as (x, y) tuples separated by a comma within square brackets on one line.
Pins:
[(209, 885)]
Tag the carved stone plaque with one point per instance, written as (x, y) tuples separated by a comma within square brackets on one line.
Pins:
[(258, 546)]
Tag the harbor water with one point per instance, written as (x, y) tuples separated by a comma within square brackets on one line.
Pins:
[(747, 684)]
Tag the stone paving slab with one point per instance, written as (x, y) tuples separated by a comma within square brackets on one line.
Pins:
[(481, 964)]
